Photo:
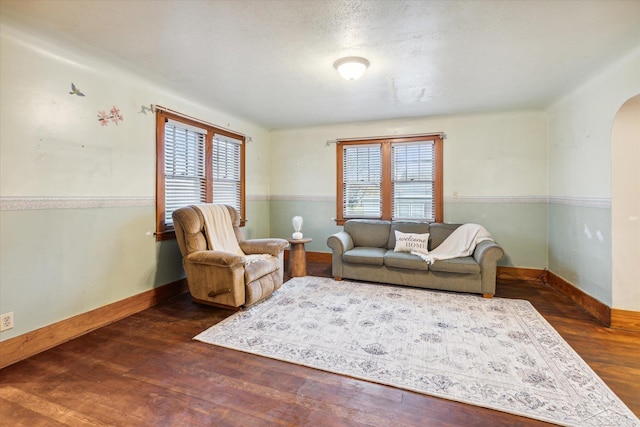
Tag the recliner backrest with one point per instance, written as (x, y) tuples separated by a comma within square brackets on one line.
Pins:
[(189, 227)]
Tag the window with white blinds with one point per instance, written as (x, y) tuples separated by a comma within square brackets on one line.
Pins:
[(412, 185), (362, 180), (197, 163), (393, 179), (185, 180), (227, 183)]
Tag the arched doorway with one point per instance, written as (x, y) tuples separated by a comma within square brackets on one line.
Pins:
[(625, 207)]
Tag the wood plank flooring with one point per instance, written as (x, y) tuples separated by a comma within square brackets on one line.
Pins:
[(146, 370)]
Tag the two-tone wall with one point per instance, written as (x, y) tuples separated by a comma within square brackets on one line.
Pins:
[(77, 196), (580, 186), (495, 174), (540, 181)]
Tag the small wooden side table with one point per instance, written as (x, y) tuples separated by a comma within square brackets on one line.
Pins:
[(298, 257)]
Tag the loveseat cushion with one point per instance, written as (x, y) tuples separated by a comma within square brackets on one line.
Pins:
[(414, 227), (364, 255), (465, 265), (368, 232), (404, 260)]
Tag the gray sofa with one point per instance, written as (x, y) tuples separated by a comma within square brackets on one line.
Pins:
[(364, 250)]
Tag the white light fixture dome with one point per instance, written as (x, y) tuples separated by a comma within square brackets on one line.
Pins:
[(351, 67)]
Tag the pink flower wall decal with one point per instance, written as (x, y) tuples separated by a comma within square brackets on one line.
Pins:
[(114, 116), (103, 118)]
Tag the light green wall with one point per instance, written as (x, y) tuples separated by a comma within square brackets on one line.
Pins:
[(520, 228), (318, 222), (580, 247), (77, 200), (60, 262), (258, 214)]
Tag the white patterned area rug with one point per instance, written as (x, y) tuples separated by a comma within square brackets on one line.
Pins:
[(495, 353)]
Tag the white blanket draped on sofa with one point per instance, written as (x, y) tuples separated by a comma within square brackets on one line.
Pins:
[(460, 243)]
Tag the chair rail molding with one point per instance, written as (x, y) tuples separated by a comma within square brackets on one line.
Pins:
[(42, 203)]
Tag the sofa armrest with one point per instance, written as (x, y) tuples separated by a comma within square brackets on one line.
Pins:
[(272, 247), (487, 254), (340, 242)]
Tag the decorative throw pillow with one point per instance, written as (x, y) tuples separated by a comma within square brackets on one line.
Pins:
[(411, 242)]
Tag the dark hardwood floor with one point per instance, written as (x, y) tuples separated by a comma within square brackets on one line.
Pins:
[(146, 370)]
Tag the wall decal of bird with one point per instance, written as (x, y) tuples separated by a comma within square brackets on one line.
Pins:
[(144, 109), (75, 90)]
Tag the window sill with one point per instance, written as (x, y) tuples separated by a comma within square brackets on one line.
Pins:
[(165, 235)]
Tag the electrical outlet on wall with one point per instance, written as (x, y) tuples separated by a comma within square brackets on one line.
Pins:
[(6, 321)]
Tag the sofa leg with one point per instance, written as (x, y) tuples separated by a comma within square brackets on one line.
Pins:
[(487, 295), (338, 279)]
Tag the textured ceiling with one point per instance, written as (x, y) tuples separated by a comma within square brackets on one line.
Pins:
[(272, 61)]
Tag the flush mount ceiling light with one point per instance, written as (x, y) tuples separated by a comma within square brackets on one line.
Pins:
[(351, 67)]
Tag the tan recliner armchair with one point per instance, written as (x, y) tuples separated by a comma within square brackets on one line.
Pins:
[(223, 278)]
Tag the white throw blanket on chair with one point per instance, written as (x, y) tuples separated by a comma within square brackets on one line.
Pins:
[(219, 229), (220, 235), (460, 243)]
